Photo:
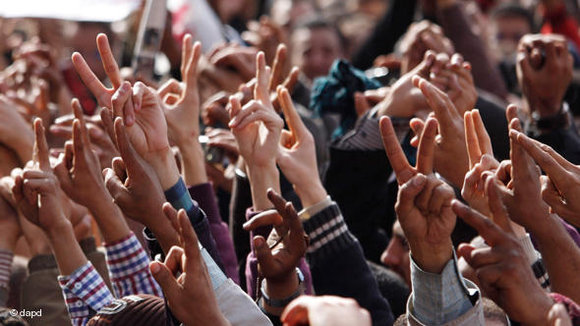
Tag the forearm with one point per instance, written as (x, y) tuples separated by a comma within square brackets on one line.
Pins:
[(68, 253), (192, 162), (110, 220), (165, 167), (561, 257), (261, 179), (337, 262)]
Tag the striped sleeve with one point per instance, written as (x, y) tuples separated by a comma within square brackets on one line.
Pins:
[(5, 267), (328, 233), (85, 293), (129, 268)]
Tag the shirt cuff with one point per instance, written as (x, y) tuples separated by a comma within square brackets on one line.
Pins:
[(6, 258), (126, 257), (216, 275), (310, 211), (439, 298), (179, 198), (84, 290)]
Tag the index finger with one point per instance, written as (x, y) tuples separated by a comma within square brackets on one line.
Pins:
[(553, 169), (473, 150), (109, 62), (403, 170), (482, 135), (261, 92), (278, 66), (426, 150), (89, 78), (40, 146), (292, 118), (498, 210), (78, 113), (438, 101), (190, 242), (490, 232)]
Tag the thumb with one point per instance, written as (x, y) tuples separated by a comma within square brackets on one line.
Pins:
[(165, 279), (408, 192), (115, 187)]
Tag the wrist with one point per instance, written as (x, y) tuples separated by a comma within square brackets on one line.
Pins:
[(8, 242), (163, 162), (193, 162), (279, 293), (261, 179), (56, 232), (311, 194), (545, 108), (431, 258)]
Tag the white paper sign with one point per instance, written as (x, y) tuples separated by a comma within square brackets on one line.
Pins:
[(76, 10)]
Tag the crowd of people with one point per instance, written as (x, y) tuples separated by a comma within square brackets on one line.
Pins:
[(294, 162)]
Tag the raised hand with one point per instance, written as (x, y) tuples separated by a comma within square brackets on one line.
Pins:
[(481, 160), (544, 72), (146, 128), (91, 81), (423, 204), (561, 184), (523, 198), (193, 285), (279, 256), (502, 269), (134, 187), (256, 126), (325, 310), (182, 99), (38, 188), (297, 155), (451, 159), (78, 170), (79, 173)]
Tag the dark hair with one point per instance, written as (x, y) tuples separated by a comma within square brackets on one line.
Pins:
[(514, 10), (317, 22)]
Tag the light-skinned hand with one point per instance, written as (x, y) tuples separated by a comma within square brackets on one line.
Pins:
[(297, 155)]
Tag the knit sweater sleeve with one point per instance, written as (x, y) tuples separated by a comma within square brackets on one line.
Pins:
[(338, 265)]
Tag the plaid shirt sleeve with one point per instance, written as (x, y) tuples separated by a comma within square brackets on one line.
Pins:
[(85, 293), (129, 268)]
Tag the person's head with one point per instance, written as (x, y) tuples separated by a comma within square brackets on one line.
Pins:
[(142, 309), (509, 23), (396, 256), (315, 45), (286, 13)]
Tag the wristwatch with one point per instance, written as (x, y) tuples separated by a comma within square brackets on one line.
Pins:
[(281, 303)]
